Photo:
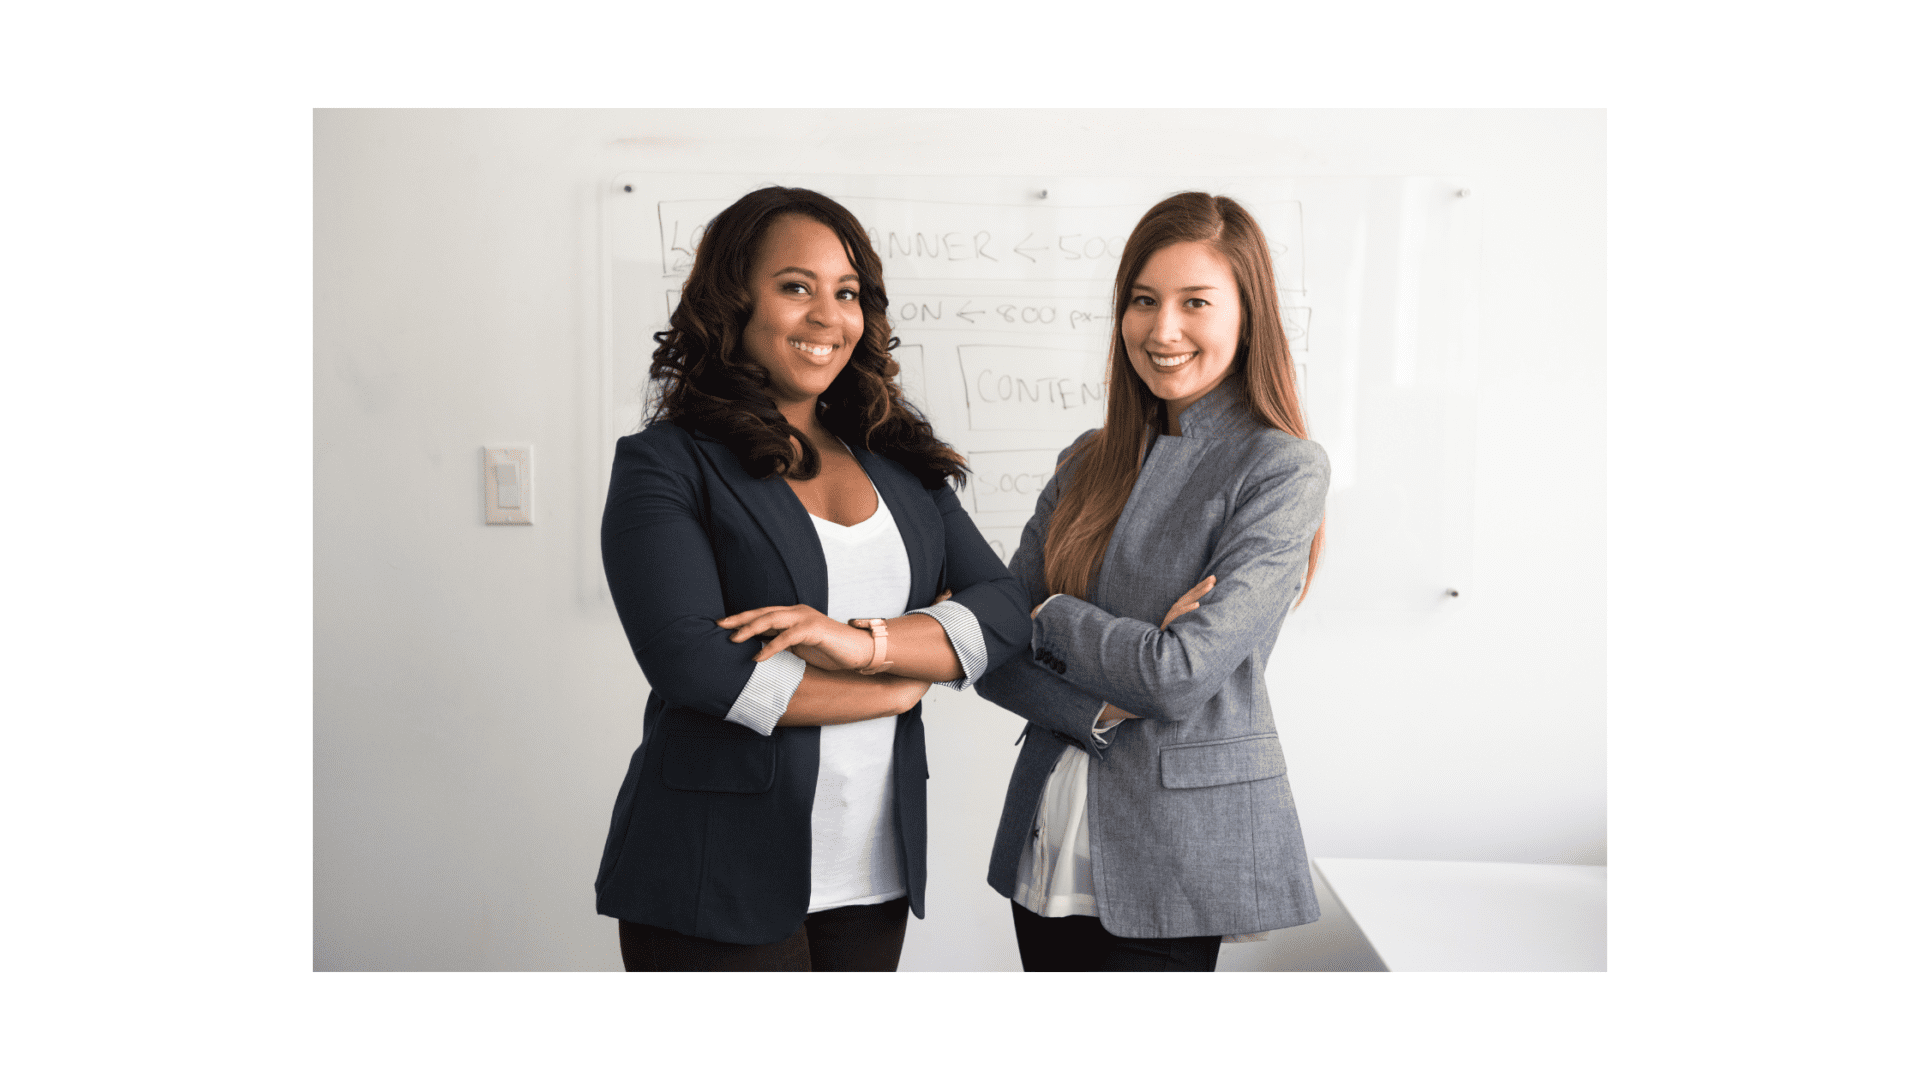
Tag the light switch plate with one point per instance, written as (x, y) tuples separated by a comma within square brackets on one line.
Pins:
[(506, 474)]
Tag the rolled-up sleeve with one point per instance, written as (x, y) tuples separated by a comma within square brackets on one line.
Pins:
[(763, 701), (963, 632)]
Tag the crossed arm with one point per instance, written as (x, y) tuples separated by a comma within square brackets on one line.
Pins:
[(832, 690), (1260, 558), (671, 607), (1124, 667), (967, 630)]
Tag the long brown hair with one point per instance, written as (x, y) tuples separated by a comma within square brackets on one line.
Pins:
[(1105, 467), (708, 381)]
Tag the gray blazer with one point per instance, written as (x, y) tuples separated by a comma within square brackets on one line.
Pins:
[(1192, 824)]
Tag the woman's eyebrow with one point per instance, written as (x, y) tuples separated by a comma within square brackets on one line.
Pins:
[(811, 274), (1183, 288)]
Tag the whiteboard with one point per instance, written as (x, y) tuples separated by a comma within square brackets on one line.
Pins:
[(1000, 292)]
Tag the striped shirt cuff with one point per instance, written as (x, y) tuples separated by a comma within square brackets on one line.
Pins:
[(963, 631), (764, 699)]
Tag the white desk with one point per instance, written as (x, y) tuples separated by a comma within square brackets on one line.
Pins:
[(1476, 916)]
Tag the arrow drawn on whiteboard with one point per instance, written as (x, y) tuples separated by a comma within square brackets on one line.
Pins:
[(968, 315), (1024, 255)]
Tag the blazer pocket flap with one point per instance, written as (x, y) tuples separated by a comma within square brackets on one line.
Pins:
[(1232, 761), (705, 763)]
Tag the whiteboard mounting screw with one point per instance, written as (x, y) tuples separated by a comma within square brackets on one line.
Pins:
[(1453, 592), (1462, 193), (1043, 193), (629, 189)]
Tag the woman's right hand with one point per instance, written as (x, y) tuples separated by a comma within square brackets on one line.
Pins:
[(828, 644), (1188, 600)]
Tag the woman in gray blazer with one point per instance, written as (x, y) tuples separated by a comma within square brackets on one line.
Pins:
[(1148, 815)]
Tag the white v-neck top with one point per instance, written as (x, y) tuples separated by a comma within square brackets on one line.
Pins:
[(856, 841), (856, 846)]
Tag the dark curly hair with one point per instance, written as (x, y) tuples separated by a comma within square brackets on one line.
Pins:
[(707, 381)]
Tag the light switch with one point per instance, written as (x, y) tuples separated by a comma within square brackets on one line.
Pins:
[(506, 485), (507, 479)]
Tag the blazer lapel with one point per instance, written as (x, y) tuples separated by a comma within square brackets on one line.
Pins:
[(1169, 463), (921, 529), (777, 510)]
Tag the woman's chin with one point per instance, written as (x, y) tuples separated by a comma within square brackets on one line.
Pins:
[(1171, 387), (799, 391)]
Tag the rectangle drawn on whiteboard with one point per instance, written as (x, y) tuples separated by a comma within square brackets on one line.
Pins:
[(913, 374), (1014, 314), (1295, 321), (1021, 388), (1009, 480)]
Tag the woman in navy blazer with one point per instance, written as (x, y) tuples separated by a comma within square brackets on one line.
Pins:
[(780, 421)]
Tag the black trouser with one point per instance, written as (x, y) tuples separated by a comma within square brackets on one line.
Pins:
[(1080, 943), (867, 937)]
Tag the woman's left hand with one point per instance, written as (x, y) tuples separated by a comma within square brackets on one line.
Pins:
[(825, 643)]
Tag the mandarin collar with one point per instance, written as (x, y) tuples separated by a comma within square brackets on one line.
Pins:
[(1222, 412)]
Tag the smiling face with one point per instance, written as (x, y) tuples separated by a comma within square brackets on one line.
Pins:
[(806, 309), (1182, 324)]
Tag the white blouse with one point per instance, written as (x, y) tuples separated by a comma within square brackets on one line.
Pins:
[(856, 842), (1056, 870)]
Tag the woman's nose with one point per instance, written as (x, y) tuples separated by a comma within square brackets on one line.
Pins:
[(1166, 325)]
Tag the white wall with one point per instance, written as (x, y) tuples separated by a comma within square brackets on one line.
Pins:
[(475, 701)]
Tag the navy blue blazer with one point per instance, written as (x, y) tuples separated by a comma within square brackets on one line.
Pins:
[(712, 829)]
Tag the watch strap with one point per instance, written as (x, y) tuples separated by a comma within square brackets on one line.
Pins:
[(878, 628)]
